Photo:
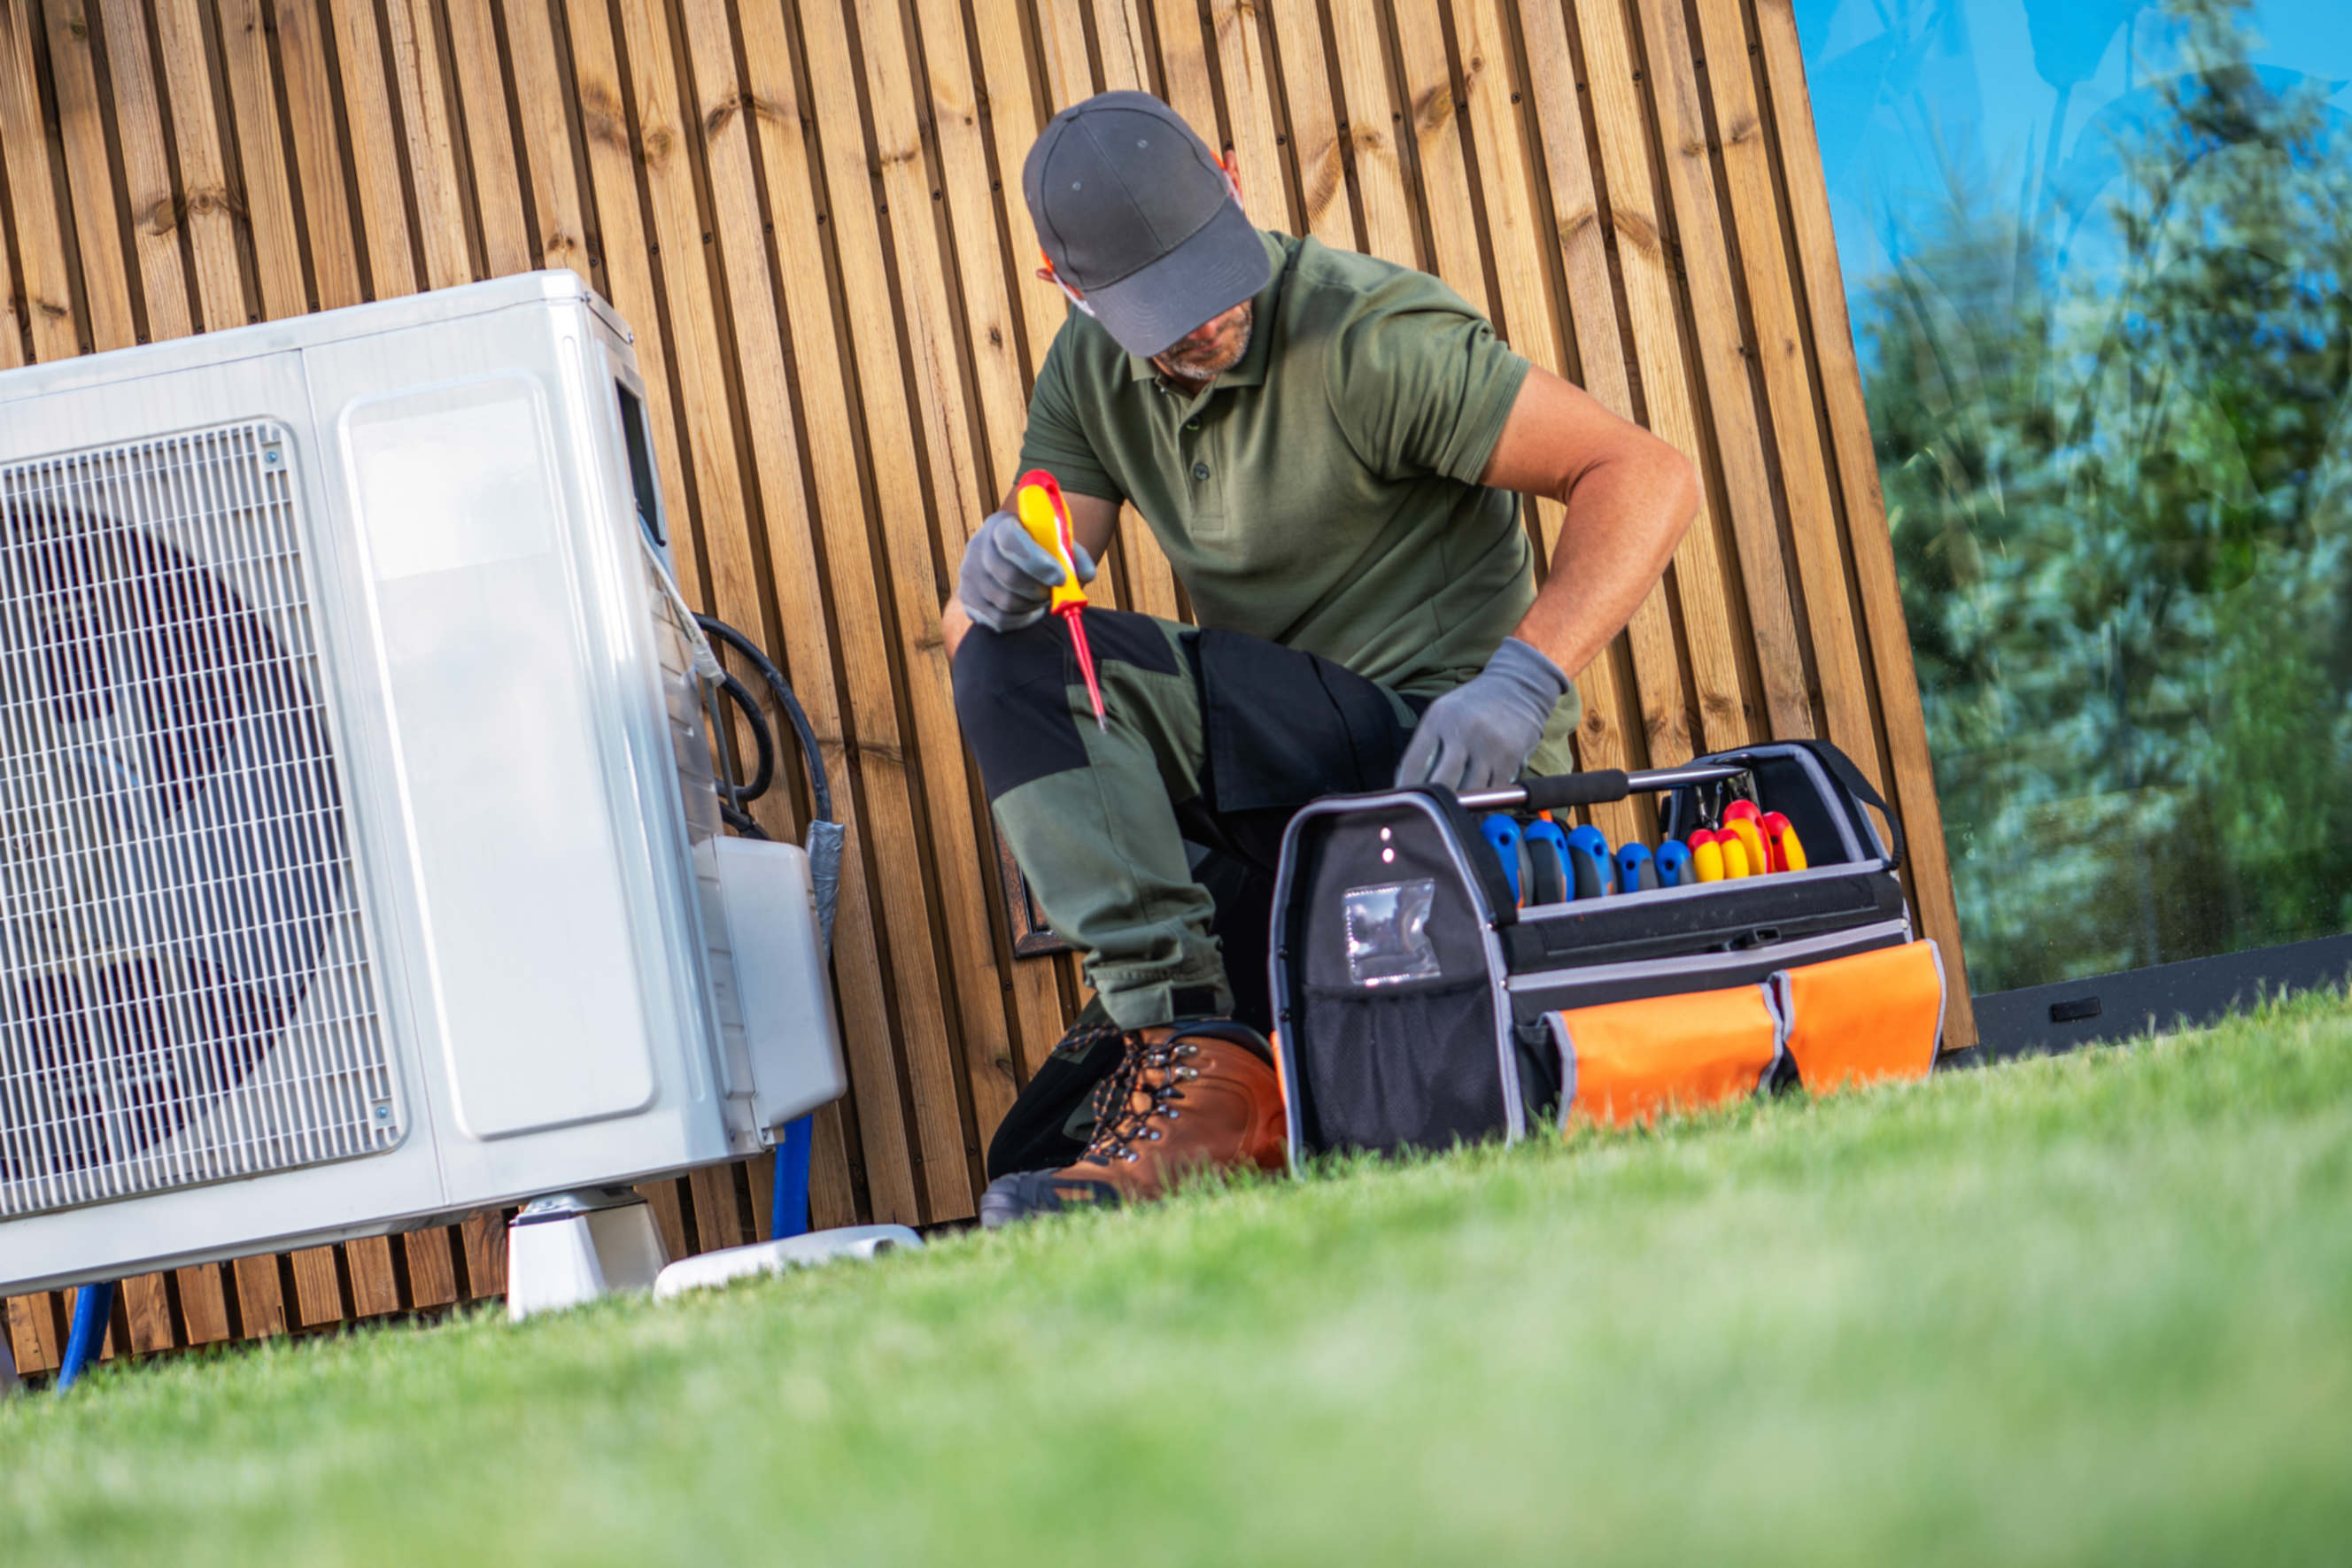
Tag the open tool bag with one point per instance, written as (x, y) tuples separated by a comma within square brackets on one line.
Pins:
[(1421, 1000)]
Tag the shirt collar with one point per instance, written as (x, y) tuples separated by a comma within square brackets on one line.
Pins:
[(1251, 372)]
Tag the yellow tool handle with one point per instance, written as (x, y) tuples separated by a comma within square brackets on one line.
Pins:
[(1046, 520)]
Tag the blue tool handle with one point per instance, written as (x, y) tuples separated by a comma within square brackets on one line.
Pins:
[(1636, 872), (1502, 830), (1546, 848), (1590, 862), (1672, 863)]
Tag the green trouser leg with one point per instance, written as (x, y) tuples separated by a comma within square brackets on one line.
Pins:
[(1090, 814)]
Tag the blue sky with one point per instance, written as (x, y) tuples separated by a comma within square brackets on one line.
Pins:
[(1904, 88)]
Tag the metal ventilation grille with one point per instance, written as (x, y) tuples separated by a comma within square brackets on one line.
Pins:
[(184, 988)]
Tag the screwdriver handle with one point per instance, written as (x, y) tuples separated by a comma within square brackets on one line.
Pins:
[(1037, 502)]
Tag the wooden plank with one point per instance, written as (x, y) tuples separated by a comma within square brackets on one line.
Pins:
[(559, 221), (147, 1307), (628, 252), (1778, 350), (991, 342), (81, 123), (375, 141), (207, 205), (895, 421), (375, 1286), (1728, 408), (1511, 231), (923, 1019), (484, 1238), (42, 276), (482, 99), (1373, 125), (661, 1197), (1868, 542), (1010, 113), (767, 101), (204, 1303), (962, 497), (1317, 148), (318, 1292), (268, 201), (1248, 82), (718, 1220), (414, 56), (1062, 46), (32, 1333), (146, 172), (1699, 578), (1442, 187), (260, 1296), (319, 170)]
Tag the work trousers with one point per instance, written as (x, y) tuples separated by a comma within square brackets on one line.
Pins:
[(1150, 846)]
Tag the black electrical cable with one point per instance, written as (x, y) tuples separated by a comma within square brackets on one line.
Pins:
[(735, 798)]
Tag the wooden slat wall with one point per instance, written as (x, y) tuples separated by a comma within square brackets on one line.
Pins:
[(810, 211)]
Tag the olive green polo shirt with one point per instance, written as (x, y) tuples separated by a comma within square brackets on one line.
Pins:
[(1324, 492)]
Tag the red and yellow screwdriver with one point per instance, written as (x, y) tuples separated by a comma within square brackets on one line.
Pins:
[(1037, 502)]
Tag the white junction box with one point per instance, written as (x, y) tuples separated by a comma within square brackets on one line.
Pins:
[(362, 861)]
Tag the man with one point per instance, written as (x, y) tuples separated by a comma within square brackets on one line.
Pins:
[(1330, 449)]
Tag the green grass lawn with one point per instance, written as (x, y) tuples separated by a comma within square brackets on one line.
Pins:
[(2097, 1308)]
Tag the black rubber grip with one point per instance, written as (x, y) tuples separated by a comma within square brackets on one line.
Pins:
[(1577, 789)]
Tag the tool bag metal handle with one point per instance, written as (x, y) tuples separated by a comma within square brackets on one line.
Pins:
[(1560, 790)]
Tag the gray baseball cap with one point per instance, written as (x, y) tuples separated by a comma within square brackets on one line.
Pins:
[(1133, 211)]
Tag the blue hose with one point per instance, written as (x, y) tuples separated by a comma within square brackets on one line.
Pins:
[(792, 1216), (92, 1306)]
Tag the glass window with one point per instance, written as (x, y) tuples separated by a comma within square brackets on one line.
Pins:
[(2097, 254)]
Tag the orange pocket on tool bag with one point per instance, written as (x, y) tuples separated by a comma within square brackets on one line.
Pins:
[(1626, 1062), (1857, 1020)]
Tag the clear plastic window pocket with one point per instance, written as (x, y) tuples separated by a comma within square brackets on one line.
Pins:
[(1388, 932)]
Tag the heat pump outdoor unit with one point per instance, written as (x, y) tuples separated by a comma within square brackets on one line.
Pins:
[(363, 865)]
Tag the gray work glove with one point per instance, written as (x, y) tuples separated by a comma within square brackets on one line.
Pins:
[(1007, 577), (1479, 735)]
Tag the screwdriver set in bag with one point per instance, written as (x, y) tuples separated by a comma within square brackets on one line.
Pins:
[(1450, 969)]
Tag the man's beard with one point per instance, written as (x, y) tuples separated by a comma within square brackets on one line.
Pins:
[(1201, 362)]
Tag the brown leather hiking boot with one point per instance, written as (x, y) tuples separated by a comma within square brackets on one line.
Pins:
[(1185, 1097)]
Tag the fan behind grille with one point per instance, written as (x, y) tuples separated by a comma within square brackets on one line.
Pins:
[(184, 990)]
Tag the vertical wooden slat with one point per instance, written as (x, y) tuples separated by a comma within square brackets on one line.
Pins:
[(269, 206), (207, 205), (146, 170), (1318, 149), (1375, 128), (1013, 126), (367, 102), (1509, 223), (1242, 71), (1433, 121), (990, 340), (769, 100), (1868, 542), (1619, 102), (106, 281), (25, 152), (482, 94), (559, 221), (414, 56), (1655, 350), (1778, 349), (318, 154)]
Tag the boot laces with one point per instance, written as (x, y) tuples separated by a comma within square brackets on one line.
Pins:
[(1120, 1123)]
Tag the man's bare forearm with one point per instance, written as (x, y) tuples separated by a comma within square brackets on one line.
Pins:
[(1625, 515)]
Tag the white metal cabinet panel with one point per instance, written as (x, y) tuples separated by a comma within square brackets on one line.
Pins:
[(533, 964)]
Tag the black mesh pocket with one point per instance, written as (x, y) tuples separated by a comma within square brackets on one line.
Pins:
[(1385, 1071)]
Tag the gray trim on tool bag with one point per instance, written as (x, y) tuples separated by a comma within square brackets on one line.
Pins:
[(1706, 889), (1698, 963)]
